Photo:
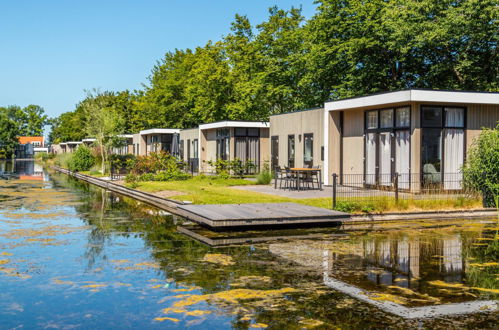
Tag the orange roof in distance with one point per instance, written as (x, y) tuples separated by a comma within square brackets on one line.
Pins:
[(30, 139)]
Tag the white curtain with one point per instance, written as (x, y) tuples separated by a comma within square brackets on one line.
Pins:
[(241, 149), (385, 159), (253, 149), (454, 117), (371, 158), (402, 165), (453, 158)]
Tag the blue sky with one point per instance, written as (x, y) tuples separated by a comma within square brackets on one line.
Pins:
[(53, 50)]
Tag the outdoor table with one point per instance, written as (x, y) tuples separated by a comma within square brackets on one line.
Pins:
[(300, 170)]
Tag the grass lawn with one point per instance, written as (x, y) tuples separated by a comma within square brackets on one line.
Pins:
[(213, 190)]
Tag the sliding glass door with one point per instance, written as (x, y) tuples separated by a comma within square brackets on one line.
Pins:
[(385, 159), (370, 162), (402, 158), (387, 147), (443, 147)]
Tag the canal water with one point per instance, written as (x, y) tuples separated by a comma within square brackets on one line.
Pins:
[(75, 256)]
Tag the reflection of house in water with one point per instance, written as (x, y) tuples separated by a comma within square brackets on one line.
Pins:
[(387, 261), (29, 170)]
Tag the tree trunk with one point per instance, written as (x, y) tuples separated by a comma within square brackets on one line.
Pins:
[(103, 164)]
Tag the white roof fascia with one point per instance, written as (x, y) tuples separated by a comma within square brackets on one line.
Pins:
[(126, 136), (413, 96), (160, 131), (88, 140), (74, 142), (248, 124), (41, 149)]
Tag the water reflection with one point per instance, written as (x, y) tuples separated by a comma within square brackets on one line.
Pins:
[(22, 170), (96, 259)]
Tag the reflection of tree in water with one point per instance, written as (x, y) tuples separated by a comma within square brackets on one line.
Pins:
[(180, 258)]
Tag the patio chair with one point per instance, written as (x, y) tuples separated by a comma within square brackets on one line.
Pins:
[(311, 178), (280, 177), (430, 174)]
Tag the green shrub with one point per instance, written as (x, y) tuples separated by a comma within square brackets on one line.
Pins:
[(265, 176), (132, 180), (82, 159), (481, 170), (158, 166), (63, 160)]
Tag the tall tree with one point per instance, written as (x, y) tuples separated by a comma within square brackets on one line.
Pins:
[(9, 131), (102, 121), (34, 120)]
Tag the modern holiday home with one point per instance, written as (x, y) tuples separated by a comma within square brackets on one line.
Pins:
[(423, 135), (126, 145), (228, 140), (155, 140), (189, 148), (297, 139)]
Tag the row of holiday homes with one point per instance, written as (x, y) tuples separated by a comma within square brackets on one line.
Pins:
[(411, 132)]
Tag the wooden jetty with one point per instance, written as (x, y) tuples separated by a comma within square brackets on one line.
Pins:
[(211, 238), (260, 214)]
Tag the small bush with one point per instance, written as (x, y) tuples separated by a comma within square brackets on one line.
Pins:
[(132, 180), (82, 159), (63, 160), (265, 176), (159, 166)]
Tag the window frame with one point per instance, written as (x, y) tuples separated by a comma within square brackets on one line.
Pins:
[(308, 163), (392, 130), (442, 129), (291, 137)]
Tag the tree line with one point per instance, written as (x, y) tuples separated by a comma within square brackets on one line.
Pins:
[(347, 48), (16, 121)]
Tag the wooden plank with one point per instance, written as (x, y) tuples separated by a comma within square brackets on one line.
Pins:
[(260, 211)]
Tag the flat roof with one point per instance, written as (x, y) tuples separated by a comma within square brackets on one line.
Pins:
[(125, 136), (235, 123), (160, 131), (297, 111), (73, 142), (413, 95), (88, 140)]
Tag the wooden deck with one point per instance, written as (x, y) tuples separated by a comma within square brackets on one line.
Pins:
[(260, 214)]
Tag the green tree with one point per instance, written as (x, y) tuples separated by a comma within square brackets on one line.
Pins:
[(102, 121), (9, 131), (69, 126), (34, 120)]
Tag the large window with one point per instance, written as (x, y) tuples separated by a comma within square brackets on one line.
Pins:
[(247, 144), (274, 151), (291, 150), (442, 150), (308, 149), (387, 146), (223, 143), (195, 147)]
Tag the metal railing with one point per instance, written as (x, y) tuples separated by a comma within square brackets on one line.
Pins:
[(399, 186)]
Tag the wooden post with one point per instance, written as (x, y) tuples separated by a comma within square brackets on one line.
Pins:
[(335, 179), (275, 177), (396, 186)]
